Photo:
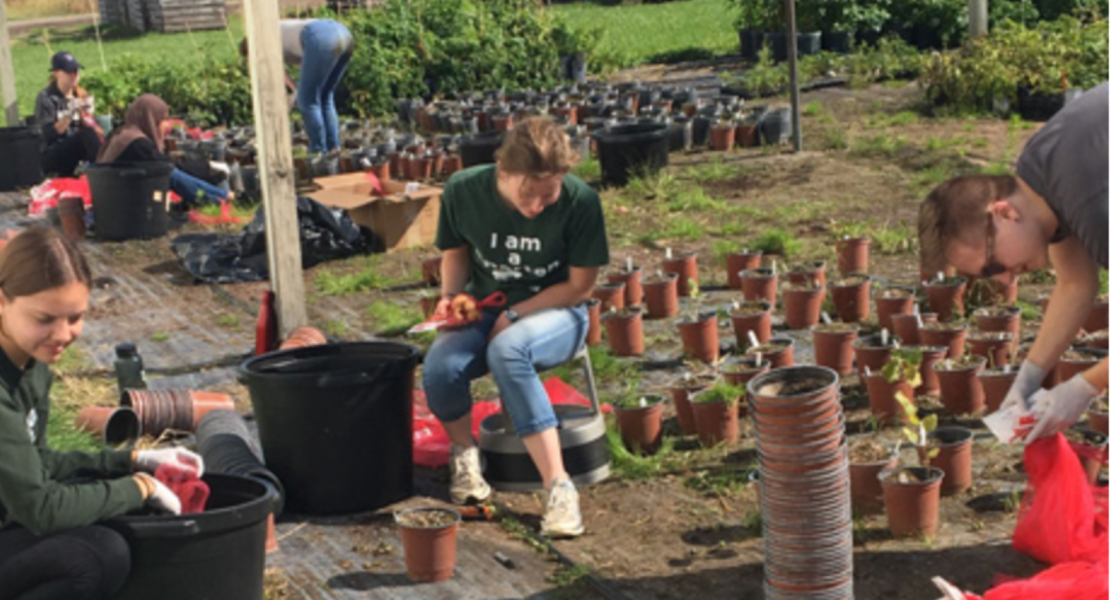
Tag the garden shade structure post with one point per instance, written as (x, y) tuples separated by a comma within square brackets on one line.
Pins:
[(275, 161), (7, 73), (792, 55), (976, 18)]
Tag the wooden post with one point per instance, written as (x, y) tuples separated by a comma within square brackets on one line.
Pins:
[(275, 162), (7, 73), (976, 18), (792, 55)]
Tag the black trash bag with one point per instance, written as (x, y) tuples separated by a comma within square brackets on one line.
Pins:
[(326, 234)]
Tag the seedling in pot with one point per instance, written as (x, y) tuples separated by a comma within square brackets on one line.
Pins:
[(632, 398), (917, 433), (721, 392), (904, 365)]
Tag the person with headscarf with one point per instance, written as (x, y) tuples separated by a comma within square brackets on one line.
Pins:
[(142, 139), (63, 111)]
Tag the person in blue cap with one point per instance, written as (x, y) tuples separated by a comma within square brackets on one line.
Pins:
[(64, 113)]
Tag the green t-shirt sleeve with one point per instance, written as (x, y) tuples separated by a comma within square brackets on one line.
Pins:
[(447, 233), (588, 244)]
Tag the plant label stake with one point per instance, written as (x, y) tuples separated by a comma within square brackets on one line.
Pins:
[(735, 305), (940, 276), (774, 266), (1006, 369), (884, 335), (628, 264), (916, 309), (758, 359), (753, 339), (668, 253), (826, 318), (866, 371)]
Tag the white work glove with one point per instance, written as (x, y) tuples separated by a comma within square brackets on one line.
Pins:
[(1059, 408), (149, 460), (156, 495), (1029, 379)]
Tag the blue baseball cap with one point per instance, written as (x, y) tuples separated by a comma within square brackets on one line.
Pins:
[(64, 61)]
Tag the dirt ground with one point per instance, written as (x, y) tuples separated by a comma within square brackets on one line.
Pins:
[(693, 530)]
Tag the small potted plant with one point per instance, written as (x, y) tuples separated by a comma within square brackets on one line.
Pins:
[(722, 135), (946, 296), (893, 300), (428, 536), (912, 494), (960, 390), (630, 277), (717, 413), (698, 330), (898, 377), (742, 369), (686, 266), (737, 262), (867, 457), (625, 330), (611, 295), (946, 448), (873, 351), (661, 295), (999, 318), (945, 333), (802, 303), (832, 346), (851, 295), (779, 351), (751, 317), (759, 285), (640, 420), (681, 390), (1097, 415), (995, 346)]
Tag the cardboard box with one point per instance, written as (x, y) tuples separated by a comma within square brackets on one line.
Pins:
[(399, 220)]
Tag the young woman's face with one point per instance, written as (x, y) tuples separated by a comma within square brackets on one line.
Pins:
[(43, 325), (67, 81)]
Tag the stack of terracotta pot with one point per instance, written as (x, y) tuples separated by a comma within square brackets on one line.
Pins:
[(804, 483)]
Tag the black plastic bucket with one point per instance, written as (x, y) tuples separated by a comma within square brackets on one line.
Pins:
[(130, 200), (335, 423), (625, 150), (227, 446), (479, 149), (21, 148), (775, 126), (219, 554)]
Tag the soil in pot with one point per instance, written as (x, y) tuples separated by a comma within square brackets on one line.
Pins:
[(779, 352), (808, 272), (742, 369), (866, 459), (872, 353), (751, 316), (995, 346), (893, 301), (429, 539), (680, 393), (832, 346), (952, 334), (716, 418), (999, 318)]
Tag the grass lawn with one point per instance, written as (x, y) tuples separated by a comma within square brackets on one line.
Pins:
[(640, 33), (31, 54)]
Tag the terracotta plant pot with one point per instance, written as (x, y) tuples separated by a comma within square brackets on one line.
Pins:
[(894, 300), (1099, 316), (759, 284), (742, 369), (114, 425), (661, 296), (681, 390), (1097, 416), (802, 305), (716, 422), (593, 335), (951, 335), (641, 426), (881, 393), (738, 262), (206, 402), (430, 270), (633, 291), (960, 390), (867, 490), (686, 266), (304, 336), (813, 271), (625, 330), (1075, 361), (751, 316), (722, 137), (611, 296), (747, 136), (930, 355), (699, 338), (71, 213), (906, 327), (996, 384), (452, 163), (852, 298), (832, 346), (1000, 318), (912, 508), (502, 122), (779, 351), (946, 298), (872, 353), (995, 346), (953, 445), (429, 545), (852, 254)]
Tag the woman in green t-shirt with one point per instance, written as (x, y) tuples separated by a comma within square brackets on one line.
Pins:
[(525, 227)]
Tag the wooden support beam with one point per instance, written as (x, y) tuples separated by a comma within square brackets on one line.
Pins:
[(977, 18), (275, 162), (795, 92), (7, 73)]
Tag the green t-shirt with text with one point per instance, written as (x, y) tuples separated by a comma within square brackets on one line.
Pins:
[(514, 254)]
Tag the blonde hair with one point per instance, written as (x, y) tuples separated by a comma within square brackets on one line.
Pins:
[(957, 210), (536, 148)]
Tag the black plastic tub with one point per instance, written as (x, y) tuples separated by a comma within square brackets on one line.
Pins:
[(21, 148), (219, 554), (627, 150), (130, 200), (335, 422), (479, 149)]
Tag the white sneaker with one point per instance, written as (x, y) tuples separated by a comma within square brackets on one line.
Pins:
[(467, 483), (562, 518)]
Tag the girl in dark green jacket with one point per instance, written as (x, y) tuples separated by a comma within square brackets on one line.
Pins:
[(50, 502)]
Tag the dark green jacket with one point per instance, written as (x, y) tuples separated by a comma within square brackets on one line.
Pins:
[(44, 490)]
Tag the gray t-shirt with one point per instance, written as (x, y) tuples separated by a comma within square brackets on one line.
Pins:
[(291, 49), (1065, 162)]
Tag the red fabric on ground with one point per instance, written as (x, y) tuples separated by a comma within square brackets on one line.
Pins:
[(192, 492)]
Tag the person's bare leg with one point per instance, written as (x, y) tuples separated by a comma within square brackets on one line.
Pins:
[(459, 431), (546, 453)]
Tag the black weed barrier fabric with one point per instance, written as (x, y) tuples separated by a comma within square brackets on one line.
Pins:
[(326, 234)]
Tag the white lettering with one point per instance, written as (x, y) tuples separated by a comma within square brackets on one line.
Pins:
[(514, 259), (531, 244), (493, 241)]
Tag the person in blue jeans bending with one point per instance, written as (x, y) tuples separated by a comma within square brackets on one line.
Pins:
[(526, 227), (142, 139), (322, 48)]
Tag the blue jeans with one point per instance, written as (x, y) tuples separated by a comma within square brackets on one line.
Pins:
[(540, 341), (187, 186), (327, 46)]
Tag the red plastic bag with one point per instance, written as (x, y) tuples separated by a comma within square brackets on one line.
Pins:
[(47, 194), (192, 492), (1062, 518)]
